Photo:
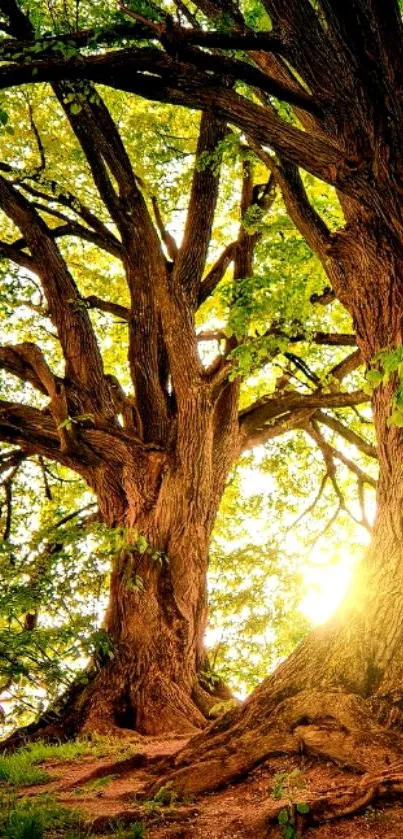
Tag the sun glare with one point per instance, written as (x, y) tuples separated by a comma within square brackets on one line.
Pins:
[(326, 587)]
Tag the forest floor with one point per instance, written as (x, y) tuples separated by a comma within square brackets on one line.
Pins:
[(104, 791)]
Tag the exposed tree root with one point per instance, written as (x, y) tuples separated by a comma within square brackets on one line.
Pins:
[(333, 726), (124, 818), (346, 800)]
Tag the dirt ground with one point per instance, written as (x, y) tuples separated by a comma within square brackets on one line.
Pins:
[(110, 793)]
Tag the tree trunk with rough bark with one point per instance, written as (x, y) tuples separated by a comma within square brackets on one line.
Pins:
[(155, 678), (340, 693), (156, 620)]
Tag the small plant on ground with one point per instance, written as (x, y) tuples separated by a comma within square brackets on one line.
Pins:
[(166, 796), (287, 785), (99, 783), (137, 831)]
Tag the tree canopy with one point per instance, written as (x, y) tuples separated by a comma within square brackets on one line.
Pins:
[(76, 330)]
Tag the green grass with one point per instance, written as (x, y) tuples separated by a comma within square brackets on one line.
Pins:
[(39, 818), (99, 783), (22, 767), (18, 769)]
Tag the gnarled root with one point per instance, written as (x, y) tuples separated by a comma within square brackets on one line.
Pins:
[(347, 799), (333, 726)]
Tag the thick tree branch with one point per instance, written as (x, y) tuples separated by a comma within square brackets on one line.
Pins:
[(153, 74), (216, 273), (330, 453), (94, 302), (20, 24), (14, 253), (31, 429), (346, 366), (306, 219), (142, 255), (14, 361), (235, 70), (192, 254), (83, 358), (308, 47), (257, 421), (347, 433)]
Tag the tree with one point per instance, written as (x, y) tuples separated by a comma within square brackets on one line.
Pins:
[(158, 457)]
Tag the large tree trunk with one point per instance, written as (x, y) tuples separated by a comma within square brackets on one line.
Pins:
[(155, 620), (153, 676), (341, 691)]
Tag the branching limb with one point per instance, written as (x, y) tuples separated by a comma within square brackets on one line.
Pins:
[(19, 22), (19, 257), (14, 359), (28, 362), (32, 430), (306, 219), (192, 253), (312, 55), (346, 366), (80, 348), (72, 228), (95, 302), (257, 421), (216, 273), (66, 199), (166, 236), (347, 433), (331, 453), (151, 73), (313, 503)]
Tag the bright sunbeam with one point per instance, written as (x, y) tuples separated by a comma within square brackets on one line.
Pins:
[(327, 585)]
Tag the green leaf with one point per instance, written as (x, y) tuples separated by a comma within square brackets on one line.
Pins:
[(303, 808), (283, 817), (374, 377), (141, 544), (396, 418), (67, 423)]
